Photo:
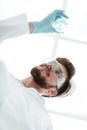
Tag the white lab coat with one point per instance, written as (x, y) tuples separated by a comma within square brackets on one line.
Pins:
[(13, 27), (21, 108)]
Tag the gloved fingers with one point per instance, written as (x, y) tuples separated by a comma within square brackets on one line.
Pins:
[(62, 15), (57, 17), (59, 14), (58, 11)]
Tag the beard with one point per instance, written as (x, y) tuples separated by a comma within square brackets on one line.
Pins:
[(40, 80)]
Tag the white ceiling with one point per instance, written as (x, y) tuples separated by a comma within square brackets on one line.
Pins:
[(21, 53)]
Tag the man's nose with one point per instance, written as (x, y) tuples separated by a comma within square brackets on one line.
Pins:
[(50, 67)]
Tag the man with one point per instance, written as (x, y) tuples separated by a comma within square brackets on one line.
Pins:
[(21, 102), (52, 78)]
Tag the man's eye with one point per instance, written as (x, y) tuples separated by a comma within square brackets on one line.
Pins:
[(57, 72)]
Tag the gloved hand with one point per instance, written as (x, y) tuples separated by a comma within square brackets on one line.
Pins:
[(46, 24)]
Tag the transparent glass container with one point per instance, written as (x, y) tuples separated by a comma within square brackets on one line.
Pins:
[(60, 25)]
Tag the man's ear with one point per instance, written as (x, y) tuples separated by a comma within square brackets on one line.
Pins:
[(52, 92)]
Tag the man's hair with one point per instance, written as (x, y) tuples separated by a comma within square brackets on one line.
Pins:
[(65, 88)]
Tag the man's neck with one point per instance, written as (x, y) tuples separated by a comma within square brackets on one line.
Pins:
[(30, 83)]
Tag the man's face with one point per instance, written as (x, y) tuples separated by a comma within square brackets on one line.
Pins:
[(49, 75), (44, 76)]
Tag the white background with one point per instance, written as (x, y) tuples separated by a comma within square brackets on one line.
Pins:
[(22, 53)]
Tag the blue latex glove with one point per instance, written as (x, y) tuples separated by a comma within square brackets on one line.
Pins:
[(46, 24)]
